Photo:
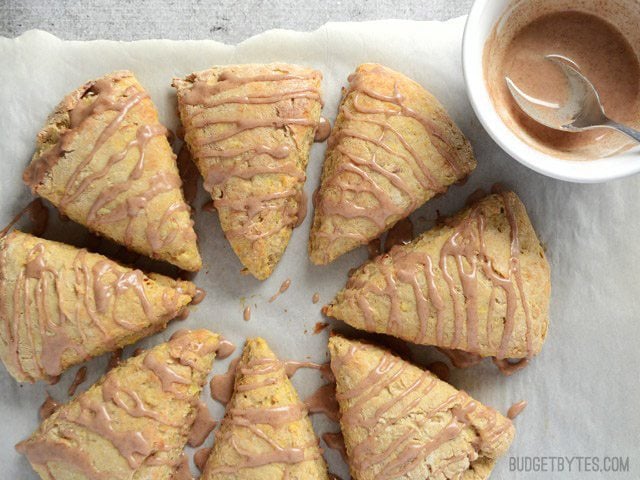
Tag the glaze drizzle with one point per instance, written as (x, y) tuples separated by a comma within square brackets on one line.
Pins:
[(108, 410), (260, 373), (54, 311), (368, 110), (113, 204), (229, 153), (463, 259), (409, 450)]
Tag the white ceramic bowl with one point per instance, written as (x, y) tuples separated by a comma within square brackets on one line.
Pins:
[(482, 18)]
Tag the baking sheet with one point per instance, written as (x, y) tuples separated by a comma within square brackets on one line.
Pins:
[(582, 390)]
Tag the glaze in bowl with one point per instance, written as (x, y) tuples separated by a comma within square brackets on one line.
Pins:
[(484, 15)]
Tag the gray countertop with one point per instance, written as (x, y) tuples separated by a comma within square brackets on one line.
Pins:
[(224, 20)]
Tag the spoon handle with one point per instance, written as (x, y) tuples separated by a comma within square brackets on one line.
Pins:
[(635, 134)]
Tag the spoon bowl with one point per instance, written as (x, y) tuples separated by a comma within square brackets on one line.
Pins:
[(582, 111)]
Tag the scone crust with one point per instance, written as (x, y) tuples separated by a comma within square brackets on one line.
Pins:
[(393, 294), (249, 129), (392, 148), (266, 433), (134, 422), (103, 159), (400, 422), (60, 305)]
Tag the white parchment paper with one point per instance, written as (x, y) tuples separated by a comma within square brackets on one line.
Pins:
[(583, 389)]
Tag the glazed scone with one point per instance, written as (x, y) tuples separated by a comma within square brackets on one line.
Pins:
[(393, 147), (134, 423), (104, 161), (249, 129), (478, 283), (266, 433), (402, 422), (60, 305)]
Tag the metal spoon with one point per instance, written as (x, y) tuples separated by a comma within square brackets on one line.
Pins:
[(582, 111)]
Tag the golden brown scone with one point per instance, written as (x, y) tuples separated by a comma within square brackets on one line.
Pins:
[(266, 433), (250, 129), (479, 283), (60, 305), (104, 160), (393, 147), (401, 422), (133, 423)]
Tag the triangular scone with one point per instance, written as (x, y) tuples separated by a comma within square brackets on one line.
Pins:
[(479, 283), (104, 160), (393, 147), (133, 423), (266, 433), (401, 422), (250, 129), (60, 305)]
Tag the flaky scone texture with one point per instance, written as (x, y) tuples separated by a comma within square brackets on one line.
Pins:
[(60, 305), (392, 148), (266, 433), (132, 424), (103, 159), (400, 422), (249, 129), (479, 283)]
